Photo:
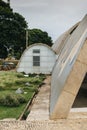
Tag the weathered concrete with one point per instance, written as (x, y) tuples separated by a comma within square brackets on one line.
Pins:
[(69, 72), (71, 124), (61, 41), (40, 107), (77, 119)]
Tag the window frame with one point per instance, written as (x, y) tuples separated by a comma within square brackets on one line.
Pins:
[(36, 61), (36, 51)]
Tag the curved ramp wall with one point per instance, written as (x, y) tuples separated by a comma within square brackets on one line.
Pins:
[(60, 42), (69, 72)]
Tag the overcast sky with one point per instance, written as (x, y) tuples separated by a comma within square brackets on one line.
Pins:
[(53, 16)]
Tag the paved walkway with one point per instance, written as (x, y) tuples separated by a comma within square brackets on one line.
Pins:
[(40, 108), (45, 125)]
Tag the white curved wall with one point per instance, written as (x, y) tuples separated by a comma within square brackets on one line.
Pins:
[(64, 86), (60, 42), (47, 60)]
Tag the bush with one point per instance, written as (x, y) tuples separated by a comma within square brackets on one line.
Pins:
[(32, 75), (20, 75), (12, 100), (35, 81), (21, 99), (2, 99), (9, 101), (2, 88)]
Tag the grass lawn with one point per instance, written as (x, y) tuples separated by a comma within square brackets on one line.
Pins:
[(10, 81)]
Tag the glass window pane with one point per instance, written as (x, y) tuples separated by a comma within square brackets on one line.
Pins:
[(36, 51), (36, 60)]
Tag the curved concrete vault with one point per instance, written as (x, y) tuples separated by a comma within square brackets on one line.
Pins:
[(69, 70)]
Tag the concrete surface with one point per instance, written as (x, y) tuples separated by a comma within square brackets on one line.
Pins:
[(40, 108), (69, 72)]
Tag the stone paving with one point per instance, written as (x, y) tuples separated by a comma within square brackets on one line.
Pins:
[(40, 108), (62, 124)]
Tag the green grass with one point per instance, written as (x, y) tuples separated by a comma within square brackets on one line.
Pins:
[(9, 82), (14, 112)]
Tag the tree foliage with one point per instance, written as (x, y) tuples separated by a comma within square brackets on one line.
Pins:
[(12, 30), (39, 36)]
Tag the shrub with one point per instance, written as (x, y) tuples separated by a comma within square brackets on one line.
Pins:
[(2, 88), (12, 100), (2, 99), (9, 101), (35, 81), (32, 75), (21, 99), (20, 75)]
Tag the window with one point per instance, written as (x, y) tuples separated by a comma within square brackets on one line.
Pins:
[(36, 51), (73, 30), (36, 60)]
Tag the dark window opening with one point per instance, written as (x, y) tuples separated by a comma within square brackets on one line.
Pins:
[(36, 60), (81, 98), (36, 51), (73, 30)]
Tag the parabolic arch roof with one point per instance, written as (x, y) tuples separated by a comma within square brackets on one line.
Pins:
[(69, 69), (63, 38)]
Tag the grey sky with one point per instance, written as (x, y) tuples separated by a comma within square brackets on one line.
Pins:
[(53, 16)]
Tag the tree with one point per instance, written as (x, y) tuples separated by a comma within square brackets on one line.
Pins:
[(39, 36), (4, 4), (12, 30)]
